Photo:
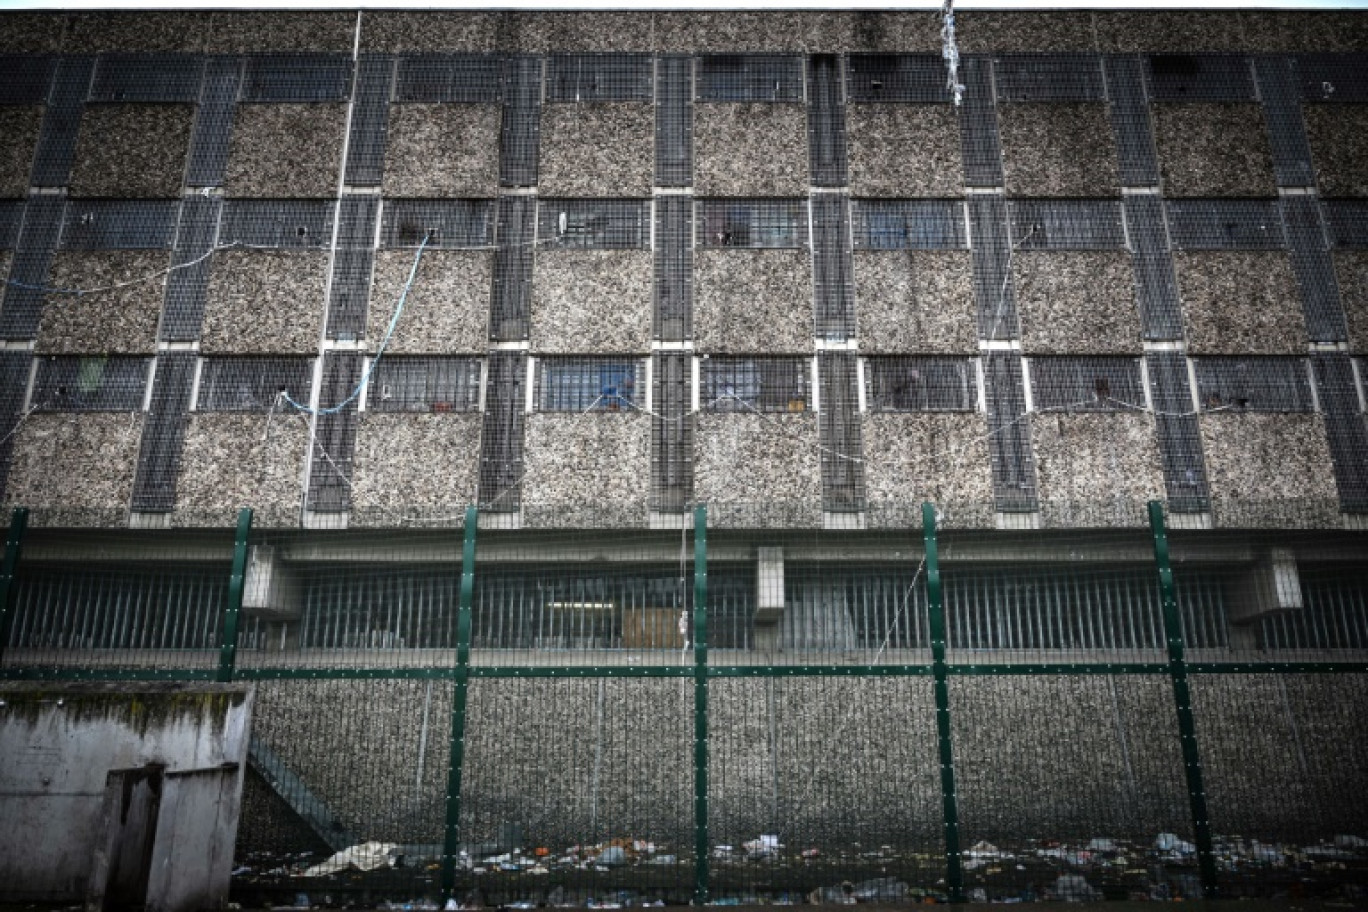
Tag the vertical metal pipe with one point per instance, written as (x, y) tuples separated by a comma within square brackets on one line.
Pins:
[(451, 840), (700, 631), (954, 871), (228, 649)]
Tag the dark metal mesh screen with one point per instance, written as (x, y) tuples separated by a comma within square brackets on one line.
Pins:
[(154, 486), (1086, 384), (1253, 384), (674, 121), (213, 122), (1199, 77), (673, 267), (672, 430), (62, 122), (896, 77), (1180, 444), (581, 384), (599, 77), (920, 384), (1067, 224), (297, 78), (750, 77), (501, 455), (450, 224), (90, 384), (277, 223), (467, 78), (826, 122), (188, 283), (751, 222), (1225, 224), (253, 384), (839, 427), (119, 224), (909, 224), (146, 77), (594, 224), (369, 120), (762, 384), (1049, 77), (430, 384)]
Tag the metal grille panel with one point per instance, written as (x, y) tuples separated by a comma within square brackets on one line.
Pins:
[(147, 77), (119, 224), (1049, 77), (1286, 134), (1009, 446), (599, 77), (751, 222), (1067, 224), (1253, 384), (839, 426), (1346, 428), (154, 486), (575, 384), (1333, 77), (90, 384), (334, 439), (369, 120), (1335, 615), (446, 224), (1306, 237), (439, 385), (672, 433), (897, 78), (501, 444), (11, 223), (187, 285), (29, 270), (835, 296), (520, 132), (1225, 224), (213, 122), (909, 224), (24, 79), (992, 247), (673, 268), (1155, 284), (253, 384), (349, 290), (750, 77), (62, 121), (674, 121), (981, 148), (1199, 77), (1180, 444), (763, 384), (1348, 222), (1087, 384), (826, 122), (513, 268), (277, 224), (297, 78), (594, 224), (920, 384), (1138, 164), (441, 78)]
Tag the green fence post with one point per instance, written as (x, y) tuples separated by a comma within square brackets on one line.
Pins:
[(451, 839), (1182, 697), (236, 585), (700, 631), (954, 869), (13, 542)]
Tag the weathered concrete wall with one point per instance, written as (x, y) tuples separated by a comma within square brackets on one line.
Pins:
[(1338, 135), (246, 32), (264, 301), (31, 33), (122, 320), (94, 454), (442, 150), (597, 32), (769, 461), (1058, 149), (567, 455), (942, 457), (916, 301), (1076, 301), (95, 33), (1215, 149), (132, 150), (235, 460), (445, 31), (603, 150), (447, 309), (904, 150), (987, 32), (730, 31), (592, 301), (1240, 302), (407, 462), (1096, 469), (1351, 270), (758, 149), (1173, 31), (1259, 462), (61, 739), (285, 150), (19, 126), (749, 301)]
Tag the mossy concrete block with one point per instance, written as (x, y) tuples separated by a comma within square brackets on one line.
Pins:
[(240, 32), (1058, 149), (731, 31), (1076, 301), (602, 150), (264, 302), (1262, 466), (753, 301), (1213, 149), (232, 460), (75, 468), (916, 301), (31, 33), (1351, 269), (121, 320), (942, 457), (1240, 302), (146, 32), (580, 466), (1109, 757), (445, 31), (447, 309), (591, 301), (608, 31), (758, 149), (132, 150), (19, 126), (442, 150), (1037, 31), (1168, 31), (904, 150), (1339, 147), (407, 463), (747, 464), (899, 32), (285, 150), (1096, 468)]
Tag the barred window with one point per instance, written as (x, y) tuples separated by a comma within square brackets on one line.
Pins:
[(118, 224), (253, 384), (1070, 384), (90, 384), (590, 384), (908, 224), (297, 77), (1200, 77), (1049, 77), (1225, 224), (1348, 220), (920, 384), (750, 77), (403, 384), (1253, 384), (146, 77), (765, 384), (449, 78), (897, 77), (595, 224), (599, 77), (277, 223), (1067, 224), (751, 222), (447, 224)]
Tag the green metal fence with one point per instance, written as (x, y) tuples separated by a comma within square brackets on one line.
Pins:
[(748, 714)]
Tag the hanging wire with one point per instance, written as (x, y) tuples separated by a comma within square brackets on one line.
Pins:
[(950, 51)]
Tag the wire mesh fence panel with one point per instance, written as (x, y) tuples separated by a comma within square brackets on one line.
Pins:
[(674, 121), (751, 222), (467, 78), (839, 428), (761, 384), (146, 77), (501, 442), (345, 766), (1074, 384), (213, 122), (1136, 159), (1014, 484), (25, 78), (576, 792), (1225, 224), (1345, 427), (277, 223), (516, 233), (89, 384), (896, 77), (1347, 221), (447, 224), (993, 250), (1105, 749), (424, 384), (119, 224), (370, 118), (11, 221), (908, 224), (1257, 384), (520, 137), (1199, 77), (1049, 77), (911, 383), (333, 440), (28, 273), (824, 790), (349, 289), (1067, 224), (1278, 87), (154, 485), (1333, 77), (1180, 444), (296, 77), (1332, 617), (1156, 285), (673, 268), (62, 122), (1282, 761), (672, 432), (594, 224), (982, 151), (831, 258), (749, 77), (826, 122), (600, 77), (1315, 269)]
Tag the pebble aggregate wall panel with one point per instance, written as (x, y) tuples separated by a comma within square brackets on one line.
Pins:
[(442, 150), (904, 150), (75, 468), (1351, 269), (1314, 269), (186, 288), (520, 130), (23, 304), (1156, 285), (422, 464), (1339, 147), (120, 320), (1257, 462), (596, 149), (370, 117), (986, 32), (134, 150), (674, 121), (1136, 162), (31, 33), (447, 309), (937, 456), (213, 122), (672, 432), (895, 31), (334, 438), (598, 32), (1094, 468), (1346, 426), (742, 31), (757, 149), (19, 127), (569, 454), (978, 124), (1058, 149), (154, 485), (916, 301), (285, 150), (591, 301), (264, 301), (61, 121), (1240, 302), (14, 378), (232, 460), (352, 261), (1277, 78), (752, 300), (771, 463), (1213, 149), (1079, 301), (1131, 32), (395, 32), (244, 32), (674, 268)]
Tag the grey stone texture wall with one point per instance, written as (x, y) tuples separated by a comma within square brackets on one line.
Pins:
[(1058, 149), (1076, 301), (285, 150), (916, 301), (591, 301), (447, 309), (1213, 149), (1257, 462), (19, 126), (752, 149), (170, 31), (753, 301), (120, 320), (904, 150), (235, 460), (442, 150), (1093, 469), (132, 150), (763, 460), (605, 150), (569, 455), (264, 302), (1351, 271), (75, 469), (1338, 135), (1240, 302), (937, 456), (423, 463)]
